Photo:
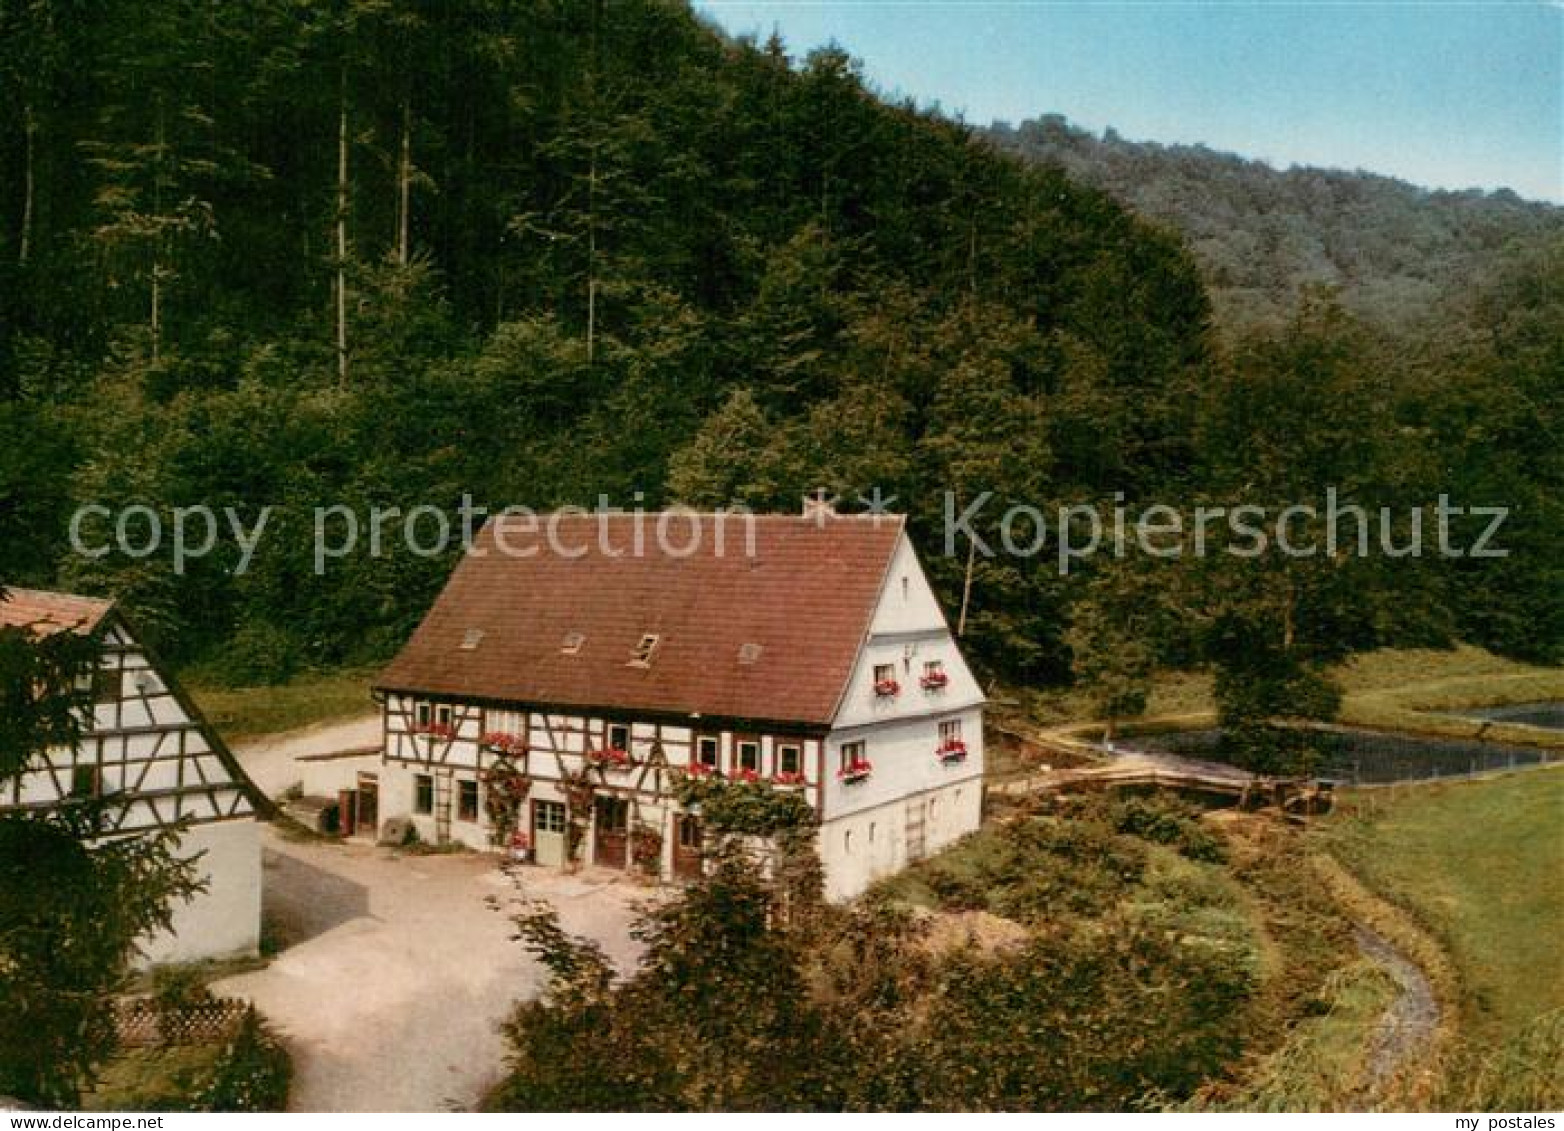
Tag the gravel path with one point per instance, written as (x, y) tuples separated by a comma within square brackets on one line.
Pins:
[(394, 972), (270, 761), (1408, 1025)]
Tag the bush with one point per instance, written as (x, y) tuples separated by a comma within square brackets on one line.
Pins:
[(253, 1072), (1163, 820), (176, 989), (260, 654)]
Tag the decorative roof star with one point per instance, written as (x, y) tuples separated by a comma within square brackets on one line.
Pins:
[(877, 504), (820, 506)]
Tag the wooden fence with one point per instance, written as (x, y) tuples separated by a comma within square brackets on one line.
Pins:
[(143, 1023)]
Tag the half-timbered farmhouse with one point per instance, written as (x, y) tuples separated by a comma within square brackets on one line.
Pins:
[(149, 760), (806, 652)]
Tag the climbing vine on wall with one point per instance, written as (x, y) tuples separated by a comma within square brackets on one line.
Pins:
[(579, 790), (746, 808), (646, 848), (505, 791)]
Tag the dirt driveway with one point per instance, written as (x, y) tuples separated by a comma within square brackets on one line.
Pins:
[(394, 973), (272, 762)]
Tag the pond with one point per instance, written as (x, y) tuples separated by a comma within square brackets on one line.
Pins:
[(1549, 716), (1361, 757)]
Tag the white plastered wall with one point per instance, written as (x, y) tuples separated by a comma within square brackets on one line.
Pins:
[(225, 920)]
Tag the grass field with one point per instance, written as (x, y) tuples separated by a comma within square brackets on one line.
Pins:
[(1480, 864), (1413, 690), (239, 713), (153, 1079)]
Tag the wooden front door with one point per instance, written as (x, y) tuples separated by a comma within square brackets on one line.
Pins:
[(686, 847), (368, 804), (548, 833), (611, 836)]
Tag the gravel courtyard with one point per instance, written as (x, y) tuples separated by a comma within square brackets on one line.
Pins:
[(394, 971)]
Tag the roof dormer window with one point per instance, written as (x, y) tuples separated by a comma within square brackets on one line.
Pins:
[(572, 643), (749, 653), (642, 656), (471, 639)]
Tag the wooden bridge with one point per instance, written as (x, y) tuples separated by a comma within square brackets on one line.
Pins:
[(1092, 768)]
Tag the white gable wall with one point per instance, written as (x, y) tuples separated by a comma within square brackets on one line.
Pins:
[(912, 803)]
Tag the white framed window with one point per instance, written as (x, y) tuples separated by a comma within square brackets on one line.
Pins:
[(852, 754), (619, 737), (950, 731), (790, 758), (708, 750), (748, 757), (548, 816)]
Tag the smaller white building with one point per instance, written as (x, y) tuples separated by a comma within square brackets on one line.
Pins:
[(809, 653), (150, 760)]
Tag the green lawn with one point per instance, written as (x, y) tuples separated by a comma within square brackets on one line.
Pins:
[(1417, 690), (248, 712), (153, 1079), (1412, 690), (1481, 865)]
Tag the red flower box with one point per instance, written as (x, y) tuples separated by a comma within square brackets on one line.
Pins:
[(435, 730), (502, 743), (788, 778), (610, 757), (854, 771), (951, 750), (933, 681), (746, 775), (887, 688), (702, 770)]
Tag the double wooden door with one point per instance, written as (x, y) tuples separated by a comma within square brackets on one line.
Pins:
[(548, 833)]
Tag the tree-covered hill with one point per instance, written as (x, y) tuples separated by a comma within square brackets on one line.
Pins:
[(1399, 254), (391, 253)]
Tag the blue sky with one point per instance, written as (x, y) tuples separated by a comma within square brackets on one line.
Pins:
[(1450, 95)]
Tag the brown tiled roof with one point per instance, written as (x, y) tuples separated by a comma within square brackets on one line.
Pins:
[(805, 597), (47, 613)]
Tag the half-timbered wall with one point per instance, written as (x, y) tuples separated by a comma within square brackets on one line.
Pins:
[(442, 741), (148, 761), (142, 753)]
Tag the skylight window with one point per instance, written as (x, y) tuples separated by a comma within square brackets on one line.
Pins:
[(471, 639), (572, 643), (642, 656), (750, 653)]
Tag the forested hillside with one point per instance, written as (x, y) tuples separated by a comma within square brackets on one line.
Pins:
[(1400, 255), (388, 252)]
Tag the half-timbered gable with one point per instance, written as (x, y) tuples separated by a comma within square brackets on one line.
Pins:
[(147, 760), (603, 655)]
